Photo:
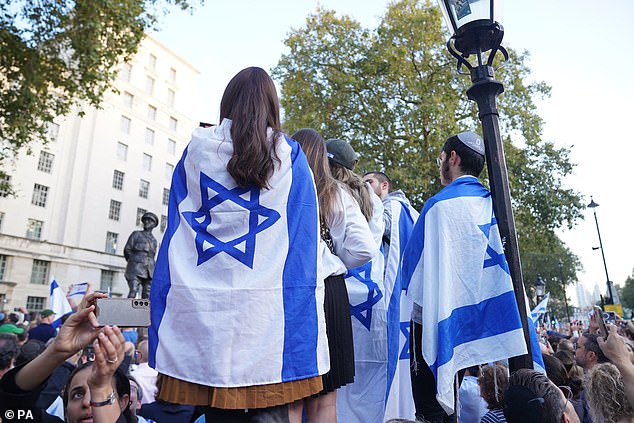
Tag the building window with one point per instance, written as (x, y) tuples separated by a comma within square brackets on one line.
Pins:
[(34, 229), (151, 112), (152, 61), (169, 169), (149, 136), (171, 146), (122, 151), (115, 210), (35, 304), (171, 95), (5, 185), (53, 131), (3, 267), (173, 123), (149, 85), (1, 220), (128, 99), (107, 280), (126, 72), (111, 242), (144, 188), (40, 193), (166, 196), (147, 162), (172, 74), (39, 272), (117, 179), (139, 214), (163, 222), (45, 163), (125, 124)]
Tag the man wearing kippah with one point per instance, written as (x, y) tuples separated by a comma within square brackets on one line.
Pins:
[(455, 271)]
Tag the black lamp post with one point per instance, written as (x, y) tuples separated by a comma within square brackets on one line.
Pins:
[(540, 288), (563, 286), (594, 206), (475, 29)]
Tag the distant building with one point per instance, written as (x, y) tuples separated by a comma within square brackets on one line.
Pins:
[(81, 195)]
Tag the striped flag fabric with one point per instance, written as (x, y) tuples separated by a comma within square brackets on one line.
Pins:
[(58, 303), (399, 401), (236, 295), (455, 269), (539, 308)]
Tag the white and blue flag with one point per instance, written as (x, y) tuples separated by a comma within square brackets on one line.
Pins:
[(58, 303), (364, 400), (455, 269), (399, 402), (236, 296), (539, 308)]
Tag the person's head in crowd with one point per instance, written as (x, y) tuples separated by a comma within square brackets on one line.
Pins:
[(532, 398), (314, 147), (380, 183), (76, 394), (142, 351), (574, 373), (12, 328), (462, 154), (15, 318), (565, 345), (29, 350), (588, 353), (472, 371), (47, 316), (8, 351), (342, 160), (606, 396), (493, 381), (136, 395), (250, 102), (555, 370), (3, 317)]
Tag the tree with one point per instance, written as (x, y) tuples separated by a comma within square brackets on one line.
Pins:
[(56, 53), (393, 92), (627, 292)]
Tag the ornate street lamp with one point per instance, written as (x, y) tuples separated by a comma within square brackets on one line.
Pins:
[(540, 288), (475, 29), (563, 286), (594, 206)]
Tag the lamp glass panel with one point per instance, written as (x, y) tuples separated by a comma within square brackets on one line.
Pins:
[(465, 11)]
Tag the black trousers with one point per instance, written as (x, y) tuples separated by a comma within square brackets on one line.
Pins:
[(424, 383), (277, 414)]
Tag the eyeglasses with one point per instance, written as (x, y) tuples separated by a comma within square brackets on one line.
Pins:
[(568, 393)]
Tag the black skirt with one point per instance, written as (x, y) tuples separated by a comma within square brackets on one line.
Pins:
[(339, 332)]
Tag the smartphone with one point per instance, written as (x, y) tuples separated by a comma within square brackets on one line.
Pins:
[(123, 312), (610, 317), (603, 329)]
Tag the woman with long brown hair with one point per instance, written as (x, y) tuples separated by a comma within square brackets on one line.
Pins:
[(347, 243), (239, 263)]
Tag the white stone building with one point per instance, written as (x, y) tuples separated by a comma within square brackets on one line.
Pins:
[(81, 195)]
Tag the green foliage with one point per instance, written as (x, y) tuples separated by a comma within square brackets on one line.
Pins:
[(55, 53), (627, 292), (394, 93)]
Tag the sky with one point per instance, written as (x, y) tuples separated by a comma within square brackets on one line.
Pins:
[(581, 51)]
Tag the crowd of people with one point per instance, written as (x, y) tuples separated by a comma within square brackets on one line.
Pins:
[(252, 320)]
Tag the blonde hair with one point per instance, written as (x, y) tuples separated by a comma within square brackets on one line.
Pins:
[(605, 392), (355, 185)]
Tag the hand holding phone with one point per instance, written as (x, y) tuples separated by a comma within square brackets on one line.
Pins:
[(598, 315)]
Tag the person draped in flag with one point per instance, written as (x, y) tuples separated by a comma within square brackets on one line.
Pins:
[(465, 312), (399, 218), (237, 296), (347, 243)]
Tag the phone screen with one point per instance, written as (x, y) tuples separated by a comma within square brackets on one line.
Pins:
[(603, 329)]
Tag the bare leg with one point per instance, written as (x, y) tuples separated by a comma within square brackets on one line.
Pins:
[(322, 409), (295, 411)]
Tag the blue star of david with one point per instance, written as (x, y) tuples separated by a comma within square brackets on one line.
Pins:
[(405, 351), (363, 275), (208, 245), (495, 258)]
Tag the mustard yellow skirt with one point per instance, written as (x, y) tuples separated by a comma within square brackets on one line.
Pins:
[(261, 396)]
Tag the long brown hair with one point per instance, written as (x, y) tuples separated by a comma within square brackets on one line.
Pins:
[(251, 102), (314, 148), (355, 186)]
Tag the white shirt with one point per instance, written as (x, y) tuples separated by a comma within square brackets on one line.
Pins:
[(146, 377)]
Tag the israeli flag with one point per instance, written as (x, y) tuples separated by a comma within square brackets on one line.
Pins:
[(236, 297), (58, 303), (536, 351), (455, 268), (539, 308), (399, 402), (364, 400)]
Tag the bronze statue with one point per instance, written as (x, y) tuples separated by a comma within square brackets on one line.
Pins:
[(139, 251)]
